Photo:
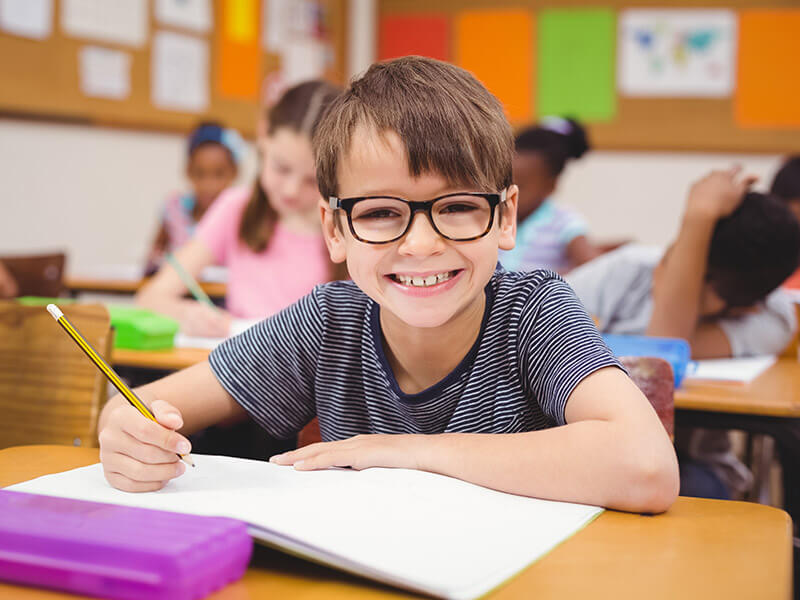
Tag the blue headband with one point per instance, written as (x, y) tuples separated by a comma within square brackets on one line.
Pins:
[(210, 133)]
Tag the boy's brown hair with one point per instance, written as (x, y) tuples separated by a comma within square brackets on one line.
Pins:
[(448, 121)]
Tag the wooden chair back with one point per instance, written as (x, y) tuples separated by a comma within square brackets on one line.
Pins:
[(791, 351), (39, 275), (654, 377), (50, 392)]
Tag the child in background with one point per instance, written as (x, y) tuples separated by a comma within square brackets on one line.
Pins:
[(213, 158), (548, 236), (786, 186), (432, 357), (715, 287), (269, 237)]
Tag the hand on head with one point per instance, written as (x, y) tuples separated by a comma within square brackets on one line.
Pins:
[(719, 193), (140, 455)]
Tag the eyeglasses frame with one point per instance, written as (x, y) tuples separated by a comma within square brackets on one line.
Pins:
[(426, 206)]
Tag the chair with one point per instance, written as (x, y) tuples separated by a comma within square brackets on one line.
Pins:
[(50, 392), (654, 377), (39, 275)]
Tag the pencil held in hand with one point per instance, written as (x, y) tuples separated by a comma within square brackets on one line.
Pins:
[(106, 369)]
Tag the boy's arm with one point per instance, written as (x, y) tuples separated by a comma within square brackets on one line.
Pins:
[(613, 452), (677, 295)]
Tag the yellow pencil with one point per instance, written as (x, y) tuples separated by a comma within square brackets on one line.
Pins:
[(106, 369)]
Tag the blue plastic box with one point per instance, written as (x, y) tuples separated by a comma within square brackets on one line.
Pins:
[(674, 350)]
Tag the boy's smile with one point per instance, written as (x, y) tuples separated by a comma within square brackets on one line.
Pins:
[(422, 280)]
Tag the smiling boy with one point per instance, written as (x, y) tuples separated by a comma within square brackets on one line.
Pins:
[(432, 357)]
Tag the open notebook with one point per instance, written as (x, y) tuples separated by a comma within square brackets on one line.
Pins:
[(415, 530)]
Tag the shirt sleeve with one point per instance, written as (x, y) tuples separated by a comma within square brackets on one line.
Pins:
[(574, 227), (219, 227), (558, 346), (767, 331), (270, 368)]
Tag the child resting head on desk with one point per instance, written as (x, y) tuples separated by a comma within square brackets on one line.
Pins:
[(715, 287), (786, 186), (432, 357), (269, 236)]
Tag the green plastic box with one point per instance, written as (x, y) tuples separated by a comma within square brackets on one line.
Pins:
[(141, 329)]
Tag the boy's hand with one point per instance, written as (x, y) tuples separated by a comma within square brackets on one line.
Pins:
[(359, 452), (718, 194), (202, 320), (140, 455)]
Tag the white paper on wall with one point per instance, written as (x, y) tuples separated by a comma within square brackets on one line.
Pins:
[(676, 52), (27, 18), (118, 21), (104, 73), (195, 15), (179, 72), (303, 59)]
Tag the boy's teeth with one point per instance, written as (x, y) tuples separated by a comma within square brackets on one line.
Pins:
[(424, 281)]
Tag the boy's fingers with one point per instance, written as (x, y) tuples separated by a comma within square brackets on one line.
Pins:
[(145, 453), (166, 414), (144, 473), (150, 432), (119, 481)]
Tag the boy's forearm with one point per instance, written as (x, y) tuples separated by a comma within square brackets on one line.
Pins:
[(676, 299), (589, 462)]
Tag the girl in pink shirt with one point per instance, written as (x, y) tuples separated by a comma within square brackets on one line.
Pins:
[(268, 237)]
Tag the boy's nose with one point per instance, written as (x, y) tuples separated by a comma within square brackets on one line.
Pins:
[(421, 237)]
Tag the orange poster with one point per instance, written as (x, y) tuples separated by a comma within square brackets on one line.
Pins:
[(768, 86), (497, 47), (238, 52)]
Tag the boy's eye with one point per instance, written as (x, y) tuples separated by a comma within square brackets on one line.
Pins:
[(457, 207), (378, 213)]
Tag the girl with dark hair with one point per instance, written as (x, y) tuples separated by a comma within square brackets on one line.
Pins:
[(269, 237), (213, 154), (548, 236)]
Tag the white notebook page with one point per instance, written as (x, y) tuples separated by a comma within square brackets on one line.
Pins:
[(413, 529)]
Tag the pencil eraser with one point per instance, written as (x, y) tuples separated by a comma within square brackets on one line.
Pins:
[(119, 552)]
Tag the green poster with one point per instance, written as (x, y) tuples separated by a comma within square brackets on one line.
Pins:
[(576, 64)]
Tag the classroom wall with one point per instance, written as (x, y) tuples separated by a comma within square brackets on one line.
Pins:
[(97, 192)]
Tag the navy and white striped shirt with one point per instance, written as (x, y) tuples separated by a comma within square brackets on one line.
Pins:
[(323, 356)]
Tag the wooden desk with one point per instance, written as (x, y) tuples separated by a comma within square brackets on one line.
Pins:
[(174, 359), (699, 549), (129, 286), (775, 393)]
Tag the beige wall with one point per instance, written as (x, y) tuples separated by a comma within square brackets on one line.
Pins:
[(93, 191)]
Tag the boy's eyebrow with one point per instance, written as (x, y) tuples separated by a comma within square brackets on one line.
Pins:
[(448, 189)]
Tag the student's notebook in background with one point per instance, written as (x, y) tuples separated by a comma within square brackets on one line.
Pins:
[(728, 370), (192, 341), (412, 529)]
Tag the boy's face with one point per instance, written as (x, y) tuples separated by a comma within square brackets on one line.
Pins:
[(376, 165)]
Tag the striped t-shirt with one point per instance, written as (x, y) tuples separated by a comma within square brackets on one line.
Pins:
[(323, 356)]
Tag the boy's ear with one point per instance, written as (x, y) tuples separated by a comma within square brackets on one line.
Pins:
[(508, 219), (334, 237)]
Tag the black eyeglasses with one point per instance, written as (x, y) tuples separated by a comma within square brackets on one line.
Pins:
[(459, 217)]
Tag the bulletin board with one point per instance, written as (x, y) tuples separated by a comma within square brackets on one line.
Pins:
[(42, 78), (541, 57)]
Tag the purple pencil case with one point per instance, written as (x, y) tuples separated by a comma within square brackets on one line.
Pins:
[(111, 551)]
